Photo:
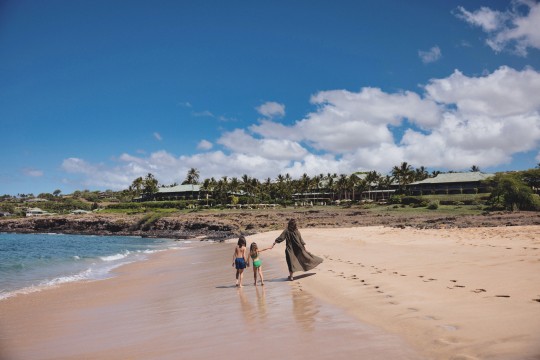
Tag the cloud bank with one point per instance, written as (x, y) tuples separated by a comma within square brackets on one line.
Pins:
[(454, 123)]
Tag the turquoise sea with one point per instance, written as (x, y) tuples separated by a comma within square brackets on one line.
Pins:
[(32, 262)]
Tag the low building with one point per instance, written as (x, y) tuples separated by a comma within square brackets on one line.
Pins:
[(36, 212), (451, 183), (178, 192)]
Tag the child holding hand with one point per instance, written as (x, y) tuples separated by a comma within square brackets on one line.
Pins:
[(239, 259), (257, 263)]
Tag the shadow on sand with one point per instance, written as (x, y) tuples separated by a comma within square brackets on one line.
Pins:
[(285, 279), (296, 277)]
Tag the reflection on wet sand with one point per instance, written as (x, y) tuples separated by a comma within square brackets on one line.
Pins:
[(169, 309), (261, 302), (304, 309)]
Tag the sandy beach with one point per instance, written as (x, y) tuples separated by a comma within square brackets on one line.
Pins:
[(381, 293)]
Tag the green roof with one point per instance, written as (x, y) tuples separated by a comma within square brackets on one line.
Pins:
[(446, 178), (180, 188)]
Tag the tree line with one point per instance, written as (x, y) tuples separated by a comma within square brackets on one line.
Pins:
[(282, 187)]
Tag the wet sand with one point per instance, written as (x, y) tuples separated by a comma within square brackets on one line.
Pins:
[(183, 304)]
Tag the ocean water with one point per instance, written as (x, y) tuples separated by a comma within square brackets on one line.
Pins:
[(32, 262)]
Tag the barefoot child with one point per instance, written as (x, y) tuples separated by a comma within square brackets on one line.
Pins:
[(257, 263), (239, 260)]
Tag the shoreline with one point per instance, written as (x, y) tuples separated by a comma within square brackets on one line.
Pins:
[(35, 271), (151, 311)]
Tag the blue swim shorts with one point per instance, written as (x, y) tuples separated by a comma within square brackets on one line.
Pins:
[(240, 263)]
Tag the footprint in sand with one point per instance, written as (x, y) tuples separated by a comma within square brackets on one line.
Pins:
[(478, 290), (449, 327), (537, 300), (502, 296)]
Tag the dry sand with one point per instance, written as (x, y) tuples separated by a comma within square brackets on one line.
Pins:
[(381, 293), (453, 293)]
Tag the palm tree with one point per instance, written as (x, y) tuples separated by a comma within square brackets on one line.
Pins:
[(341, 185), (354, 180), (420, 174), (268, 190), (192, 177), (150, 185), (245, 185), (330, 183), (403, 174), (234, 185), (281, 187), (371, 178), (475, 168), (222, 189), (255, 185), (136, 186)]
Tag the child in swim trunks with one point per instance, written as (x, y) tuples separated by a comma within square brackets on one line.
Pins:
[(257, 263), (239, 259)]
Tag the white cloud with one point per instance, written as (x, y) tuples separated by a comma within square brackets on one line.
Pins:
[(32, 172), (515, 29), (204, 145), (157, 136), (485, 18), (505, 92), (457, 122), (271, 109), (204, 113), (238, 141), (431, 55), (346, 121)]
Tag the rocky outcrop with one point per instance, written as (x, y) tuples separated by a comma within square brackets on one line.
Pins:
[(228, 223)]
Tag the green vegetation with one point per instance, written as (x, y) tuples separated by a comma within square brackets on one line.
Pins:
[(509, 191)]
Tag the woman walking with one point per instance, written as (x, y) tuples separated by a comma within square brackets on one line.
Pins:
[(298, 258)]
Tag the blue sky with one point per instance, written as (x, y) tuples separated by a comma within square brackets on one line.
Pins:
[(96, 93)]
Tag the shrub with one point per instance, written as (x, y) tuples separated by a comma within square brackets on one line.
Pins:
[(395, 199), (433, 205)]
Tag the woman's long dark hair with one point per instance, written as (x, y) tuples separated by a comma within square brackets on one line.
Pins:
[(292, 225)]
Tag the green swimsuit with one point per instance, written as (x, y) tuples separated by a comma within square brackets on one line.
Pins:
[(256, 263)]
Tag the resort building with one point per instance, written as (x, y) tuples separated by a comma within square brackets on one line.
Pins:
[(178, 192), (451, 183)]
